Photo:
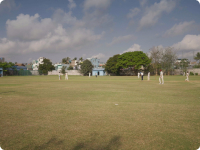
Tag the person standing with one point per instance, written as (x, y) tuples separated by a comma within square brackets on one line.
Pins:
[(96, 75), (89, 74), (59, 75), (161, 80), (142, 75), (183, 73), (66, 76), (148, 76), (187, 76), (138, 75)]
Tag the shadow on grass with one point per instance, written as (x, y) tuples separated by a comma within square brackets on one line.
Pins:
[(52, 143), (113, 144)]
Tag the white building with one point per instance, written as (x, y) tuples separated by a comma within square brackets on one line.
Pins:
[(37, 62)]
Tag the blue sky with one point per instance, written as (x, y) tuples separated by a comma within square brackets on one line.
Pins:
[(55, 29)]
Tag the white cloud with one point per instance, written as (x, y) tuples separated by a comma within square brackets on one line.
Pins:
[(179, 29), (189, 42), (71, 4), (97, 4), (27, 27), (133, 48), (7, 5), (95, 13), (29, 34), (153, 13), (121, 39), (133, 12), (143, 2), (99, 56)]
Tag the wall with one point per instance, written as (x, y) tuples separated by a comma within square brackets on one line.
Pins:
[(70, 72), (101, 73), (180, 72)]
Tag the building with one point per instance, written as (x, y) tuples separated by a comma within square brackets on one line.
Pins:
[(36, 63), (29, 67), (95, 62), (1, 72), (2, 59), (98, 71)]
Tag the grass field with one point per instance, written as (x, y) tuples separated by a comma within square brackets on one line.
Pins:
[(41, 112)]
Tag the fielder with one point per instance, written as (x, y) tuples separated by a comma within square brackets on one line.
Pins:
[(161, 80), (66, 76), (138, 75), (89, 74), (142, 75), (59, 75), (148, 76), (187, 76)]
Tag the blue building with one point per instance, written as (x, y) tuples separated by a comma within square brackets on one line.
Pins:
[(98, 71), (19, 68), (95, 62), (1, 72)]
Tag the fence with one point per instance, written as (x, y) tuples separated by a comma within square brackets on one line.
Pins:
[(23, 72)]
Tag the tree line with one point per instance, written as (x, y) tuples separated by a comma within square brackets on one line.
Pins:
[(157, 58)]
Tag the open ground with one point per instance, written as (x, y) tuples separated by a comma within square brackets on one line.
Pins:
[(41, 112)]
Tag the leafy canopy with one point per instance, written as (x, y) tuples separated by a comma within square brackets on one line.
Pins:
[(6, 65), (86, 67), (111, 64), (46, 66), (133, 59)]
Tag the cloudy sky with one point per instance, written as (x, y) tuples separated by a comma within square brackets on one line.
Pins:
[(55, 29)]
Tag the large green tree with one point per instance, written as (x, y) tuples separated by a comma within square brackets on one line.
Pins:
[(135, 59), (111, 65), (46, 66), (66, 60), (6, 65), (197, 57), (86, 67)]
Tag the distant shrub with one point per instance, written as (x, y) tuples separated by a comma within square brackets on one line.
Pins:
[(191, 73), (196, 74)]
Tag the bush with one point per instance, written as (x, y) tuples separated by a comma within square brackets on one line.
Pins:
[(70, 68), (191, 73), (196, 74)]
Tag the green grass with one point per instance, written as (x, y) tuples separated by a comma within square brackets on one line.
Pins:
[(41, 112)]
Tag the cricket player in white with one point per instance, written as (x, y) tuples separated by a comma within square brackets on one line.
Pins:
[(138, 75), (183, 73), (89, 74), (59, 75), (148, 76), (187, 76), (161, 80), (66, 76)]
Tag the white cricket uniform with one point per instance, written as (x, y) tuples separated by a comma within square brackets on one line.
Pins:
[(66, 76), (148, 75), (161, 80), (138, 75), (89, 74), (187, 77), (59, 76)]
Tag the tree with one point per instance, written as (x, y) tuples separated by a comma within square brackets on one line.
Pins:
[(63, 70), (197, 57), (168, 59), (134, 60), (111, 65), (75, 58), (155, 56), (70, 68), (81, 59), (46, 66), (86, 67), (6, 65), (184, 64), (66, 60)]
